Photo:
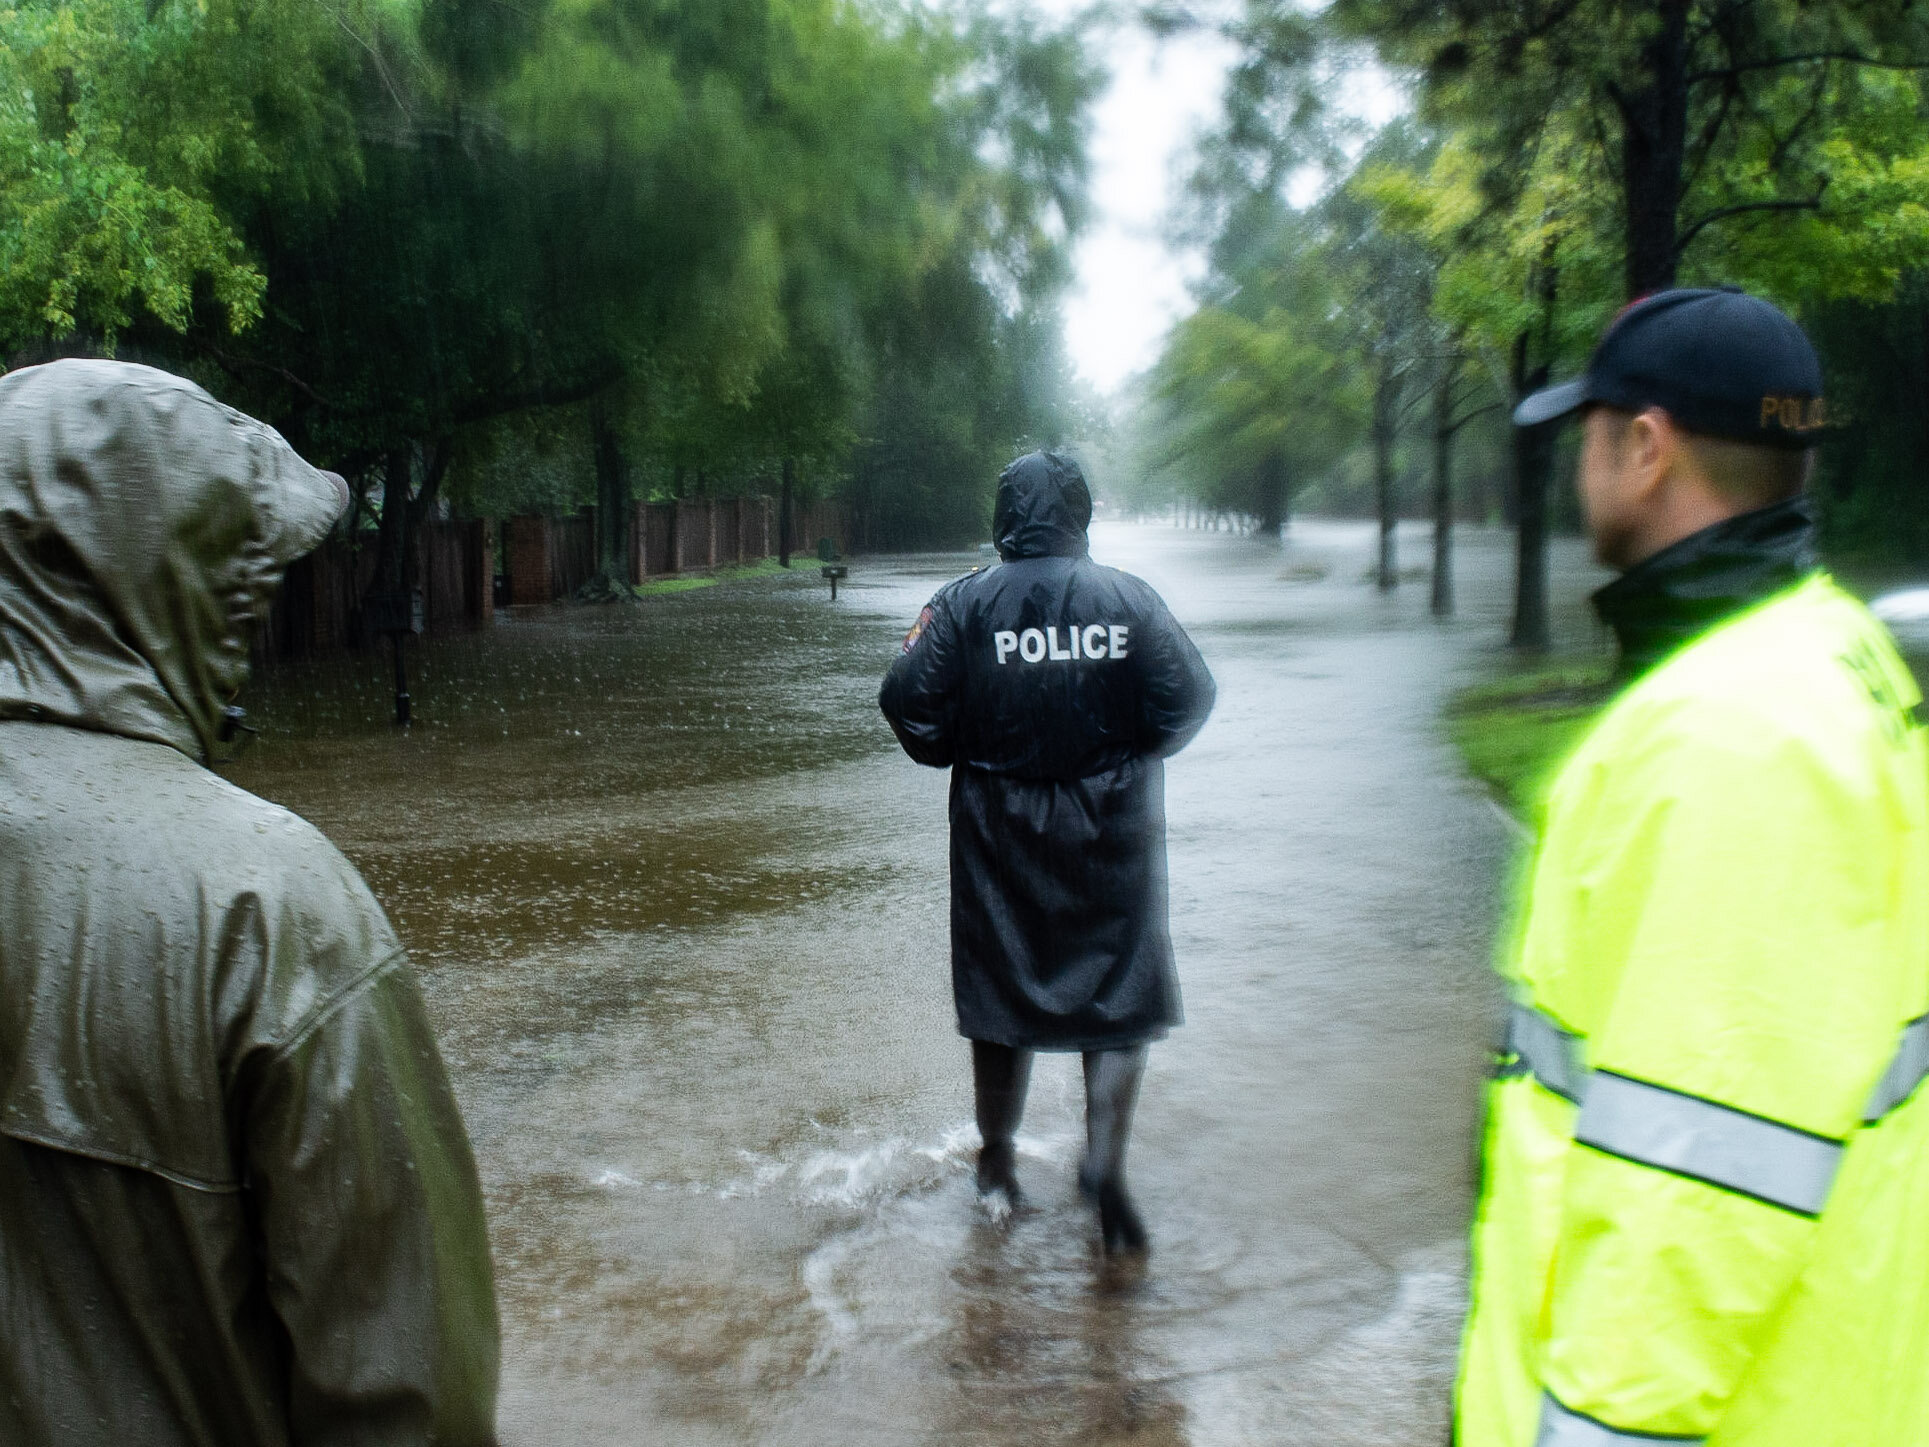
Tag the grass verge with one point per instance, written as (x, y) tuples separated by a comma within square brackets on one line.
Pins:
[(656, 588), (1515, 731)]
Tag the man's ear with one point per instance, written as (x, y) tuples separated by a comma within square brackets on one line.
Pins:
[(1650, 450)]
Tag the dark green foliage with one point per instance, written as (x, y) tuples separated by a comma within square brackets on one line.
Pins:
[(498, 253), (1873, 476)]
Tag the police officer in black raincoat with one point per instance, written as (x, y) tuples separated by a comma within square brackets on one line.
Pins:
[(1053, 688)]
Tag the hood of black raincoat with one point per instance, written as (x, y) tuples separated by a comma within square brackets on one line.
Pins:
[(142, 523), (1043, 508)]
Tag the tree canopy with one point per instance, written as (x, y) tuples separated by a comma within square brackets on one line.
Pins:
[(702, 242), (1557, 158)]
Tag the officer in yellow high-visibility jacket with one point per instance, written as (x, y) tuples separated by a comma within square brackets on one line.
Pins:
[(1705, 1212)]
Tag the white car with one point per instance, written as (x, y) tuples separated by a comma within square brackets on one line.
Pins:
[(1906, 611)]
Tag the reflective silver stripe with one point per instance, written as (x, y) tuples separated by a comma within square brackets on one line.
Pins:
[(1905, 1072), (1551, 1053), (1562, 1428), (1772, 1162)]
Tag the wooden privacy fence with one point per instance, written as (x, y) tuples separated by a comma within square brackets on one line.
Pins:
[(688, 537), (665, 538), (544, 559), (810, 523), (548, 558), (315, 610)]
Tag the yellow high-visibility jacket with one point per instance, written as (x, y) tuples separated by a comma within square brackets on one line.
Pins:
[(1705, 1211)]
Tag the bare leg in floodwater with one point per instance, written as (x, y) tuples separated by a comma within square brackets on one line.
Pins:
[(1000, 1076), (1111, 1091)]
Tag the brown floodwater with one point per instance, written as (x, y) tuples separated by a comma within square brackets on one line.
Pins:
[(679, 908)]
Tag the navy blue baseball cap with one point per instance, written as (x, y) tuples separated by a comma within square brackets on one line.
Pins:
[(1721, 363)]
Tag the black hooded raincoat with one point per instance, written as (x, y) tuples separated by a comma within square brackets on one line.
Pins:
[(237, 1206), (1053, 688)]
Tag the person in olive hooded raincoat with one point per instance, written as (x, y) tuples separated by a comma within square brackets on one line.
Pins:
[(237, 1205), (1053, 688)]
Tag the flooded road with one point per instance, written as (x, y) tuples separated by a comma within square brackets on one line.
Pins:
[(679, 906)]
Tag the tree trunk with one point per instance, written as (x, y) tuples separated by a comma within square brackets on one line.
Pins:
[(785, 496), (613, 509), (435, 467), (405, 507), (1533, 455), (391, 537), (1443, 430), (1386, 406), (357, 505), (1533, 466), (673, 552), (1273, 491), (1533, 459), (1654, 140)]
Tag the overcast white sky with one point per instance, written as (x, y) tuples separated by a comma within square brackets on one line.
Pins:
[(1130, 284)]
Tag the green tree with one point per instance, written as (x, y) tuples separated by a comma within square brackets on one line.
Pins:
[(1700, 113), (436, 241), (1589, 152), (1255, 394), (128, 129)]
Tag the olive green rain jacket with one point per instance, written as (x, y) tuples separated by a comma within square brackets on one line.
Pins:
[(1706, 1205), (237, 1205)]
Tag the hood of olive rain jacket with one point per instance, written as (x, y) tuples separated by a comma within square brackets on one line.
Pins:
[(237, 1204), (144, 522)]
